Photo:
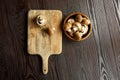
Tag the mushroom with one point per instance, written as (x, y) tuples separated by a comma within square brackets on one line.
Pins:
[(78, 18), (86, 21), (77, 35), (84, 29), (76, 26), (67, 26), (71, 21), (41, 20), (50, 30)]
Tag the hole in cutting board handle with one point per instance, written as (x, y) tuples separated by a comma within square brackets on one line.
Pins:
[(45, 64)]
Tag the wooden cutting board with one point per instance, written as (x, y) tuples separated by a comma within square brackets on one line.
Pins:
[(40, 42)]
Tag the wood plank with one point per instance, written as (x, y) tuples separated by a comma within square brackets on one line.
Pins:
[(97, 58)]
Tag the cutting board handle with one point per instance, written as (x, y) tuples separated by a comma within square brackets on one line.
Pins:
[(45, 65)]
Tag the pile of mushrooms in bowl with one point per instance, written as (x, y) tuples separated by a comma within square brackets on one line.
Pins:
[(77, 26)]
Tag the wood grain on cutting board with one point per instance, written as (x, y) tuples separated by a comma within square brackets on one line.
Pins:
[(39, 41)]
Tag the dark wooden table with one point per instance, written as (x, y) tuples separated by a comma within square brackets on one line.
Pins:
[(97, 58)]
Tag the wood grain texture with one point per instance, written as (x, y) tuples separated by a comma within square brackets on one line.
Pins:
[(97, 58)]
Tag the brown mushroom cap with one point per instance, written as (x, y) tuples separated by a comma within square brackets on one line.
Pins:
[(77, 35), (78, 25), (78, 18), (67, 26), (86, 21)]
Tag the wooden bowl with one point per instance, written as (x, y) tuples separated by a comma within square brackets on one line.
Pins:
[(72, 15)]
